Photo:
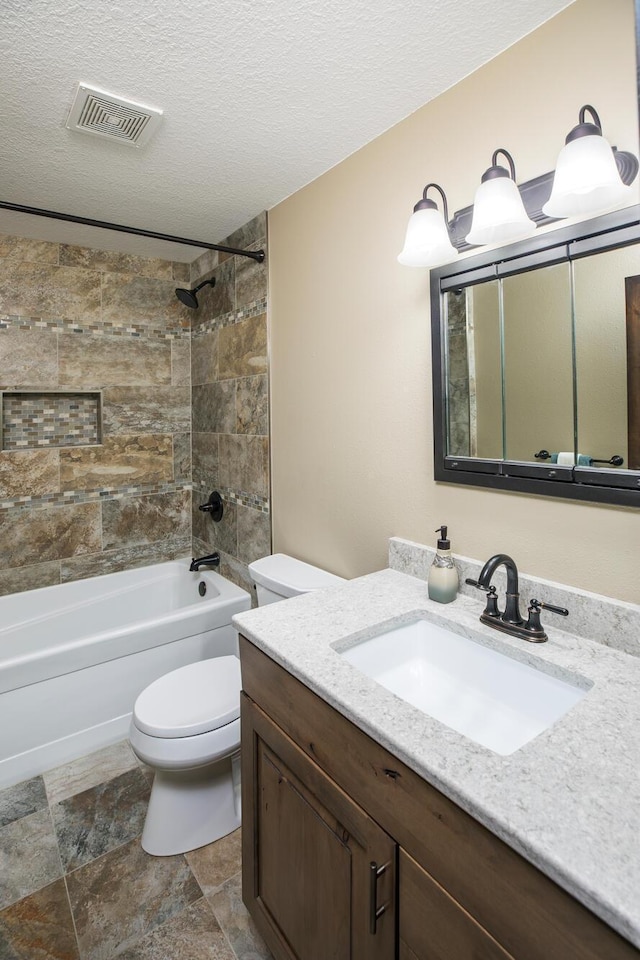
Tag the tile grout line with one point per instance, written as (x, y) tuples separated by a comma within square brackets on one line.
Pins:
[(217, 919), (71, 914), (55, 835), (63, 874)]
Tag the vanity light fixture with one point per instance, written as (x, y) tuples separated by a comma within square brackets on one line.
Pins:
[(499, 215), (427, 242), (586, 178), (591, 178)]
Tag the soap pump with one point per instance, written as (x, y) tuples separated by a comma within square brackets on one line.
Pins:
[(442, 583)]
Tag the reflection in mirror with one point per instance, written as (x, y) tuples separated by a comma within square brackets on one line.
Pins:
[(510, 367), (510, 364), (601, 353), (538, 363), (460, 365), (632, 305), (474, 379), (484, 300)]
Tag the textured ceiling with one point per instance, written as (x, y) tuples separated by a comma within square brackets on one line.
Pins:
[(258, 100)]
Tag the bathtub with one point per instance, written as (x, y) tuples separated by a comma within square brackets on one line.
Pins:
[(74, 657)]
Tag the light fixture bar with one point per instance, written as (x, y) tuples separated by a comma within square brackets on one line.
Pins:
[(258, 255)]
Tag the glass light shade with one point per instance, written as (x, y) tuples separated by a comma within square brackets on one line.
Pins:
[(499, 215), (586, 180), (427, 242)]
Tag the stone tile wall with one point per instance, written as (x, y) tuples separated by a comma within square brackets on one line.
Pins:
[(229, 373), (74, 319)]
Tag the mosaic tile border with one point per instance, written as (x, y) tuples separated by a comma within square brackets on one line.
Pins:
[(239, 497), (98, 328), (65, 497), (254, 309)]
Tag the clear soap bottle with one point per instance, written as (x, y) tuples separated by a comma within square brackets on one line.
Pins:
[(442, 582)]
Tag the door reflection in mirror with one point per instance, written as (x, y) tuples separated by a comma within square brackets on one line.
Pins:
[(601, 351)]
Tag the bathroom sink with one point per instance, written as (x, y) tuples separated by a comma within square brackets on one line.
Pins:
[(491, 698)]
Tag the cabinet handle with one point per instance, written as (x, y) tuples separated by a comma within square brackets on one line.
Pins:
[(374, 910)]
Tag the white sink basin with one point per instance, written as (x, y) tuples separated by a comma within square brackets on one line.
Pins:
[(489, 697)]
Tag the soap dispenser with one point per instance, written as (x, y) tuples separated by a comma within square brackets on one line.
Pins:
[(442, 583)]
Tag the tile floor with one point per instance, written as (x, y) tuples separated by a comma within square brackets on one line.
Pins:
[(75, 883)]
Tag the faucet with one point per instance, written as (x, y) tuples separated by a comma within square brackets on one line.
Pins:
[(512, 610), (212, 560), (511, 621)]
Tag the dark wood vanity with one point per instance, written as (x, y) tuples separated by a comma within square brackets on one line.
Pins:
[(350, 855)]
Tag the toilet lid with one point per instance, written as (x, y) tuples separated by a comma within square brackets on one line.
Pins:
[(191, 700)]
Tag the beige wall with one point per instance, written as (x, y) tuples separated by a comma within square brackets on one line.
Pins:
[(352, 460)]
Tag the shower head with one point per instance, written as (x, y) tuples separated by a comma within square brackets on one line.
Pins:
[(188, 297)]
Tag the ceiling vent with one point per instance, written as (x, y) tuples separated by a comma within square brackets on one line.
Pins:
[(105, 115)]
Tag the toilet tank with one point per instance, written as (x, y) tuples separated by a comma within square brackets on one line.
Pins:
[(279, 577)]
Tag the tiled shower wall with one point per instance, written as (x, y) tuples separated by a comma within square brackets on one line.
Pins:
[(229, 372), (74, 319)]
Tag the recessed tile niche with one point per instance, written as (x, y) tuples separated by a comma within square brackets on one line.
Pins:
[(33, 420)]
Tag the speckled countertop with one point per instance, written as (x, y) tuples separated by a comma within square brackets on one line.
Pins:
[(568, 801)]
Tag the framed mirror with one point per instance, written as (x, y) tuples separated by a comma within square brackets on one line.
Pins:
[(536, 367)]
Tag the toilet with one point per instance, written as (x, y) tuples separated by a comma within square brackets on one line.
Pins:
[(279, 577), (186, 727)]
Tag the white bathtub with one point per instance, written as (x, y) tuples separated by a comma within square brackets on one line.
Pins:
[(74, 657)]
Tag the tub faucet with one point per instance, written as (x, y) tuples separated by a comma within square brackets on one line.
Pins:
[(212, 560)]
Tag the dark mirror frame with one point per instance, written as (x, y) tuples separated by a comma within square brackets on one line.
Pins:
[(619, 486)]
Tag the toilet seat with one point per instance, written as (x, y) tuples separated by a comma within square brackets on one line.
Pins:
[(186, 753), (197, 699)]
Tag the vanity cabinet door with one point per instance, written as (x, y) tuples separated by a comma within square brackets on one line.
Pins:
[(307, 855), (433, 926)]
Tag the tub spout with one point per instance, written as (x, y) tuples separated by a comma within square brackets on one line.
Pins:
[(213, 560)]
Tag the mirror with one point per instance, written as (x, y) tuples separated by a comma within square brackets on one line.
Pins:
[(537, 364), (603, 328)]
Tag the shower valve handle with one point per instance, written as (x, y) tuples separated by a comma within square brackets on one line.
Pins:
[(214, 506)]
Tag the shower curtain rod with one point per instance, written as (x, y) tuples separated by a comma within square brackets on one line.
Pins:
[(258, 255)]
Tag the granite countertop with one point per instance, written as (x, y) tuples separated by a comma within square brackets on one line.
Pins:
[(568, 801)]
